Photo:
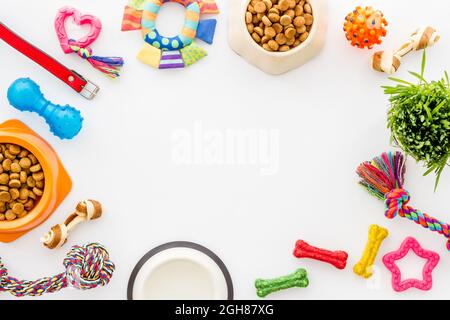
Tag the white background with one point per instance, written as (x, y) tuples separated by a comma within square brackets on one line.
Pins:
[(330, 113)]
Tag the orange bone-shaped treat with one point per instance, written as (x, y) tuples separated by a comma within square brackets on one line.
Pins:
[(335, 258)]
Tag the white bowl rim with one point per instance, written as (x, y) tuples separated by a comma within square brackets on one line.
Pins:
[(187, 245)]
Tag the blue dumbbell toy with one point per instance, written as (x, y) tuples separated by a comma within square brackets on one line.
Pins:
[(65, 121)]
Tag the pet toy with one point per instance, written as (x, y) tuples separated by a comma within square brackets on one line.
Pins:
[(335, 258), (265, 287), (87, 267), (389, 61), (86, 210), (73, 79), (171, 52), (364, 27), (108, 65), (383, 177), (65, 121), (364, 268), (411, 244)]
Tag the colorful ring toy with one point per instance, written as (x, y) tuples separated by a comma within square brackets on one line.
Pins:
[(153, 37), (171, 52)]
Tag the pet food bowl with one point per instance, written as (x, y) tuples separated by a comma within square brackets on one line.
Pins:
[(180, 271), (57, 182), (275, 62)]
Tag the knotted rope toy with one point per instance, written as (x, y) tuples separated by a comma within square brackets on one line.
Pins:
[(335, 258), (171, 52), (383, 177), (389, 61), (265, 287), (364, 268), (86, 210), (87, 267), (108, 65)]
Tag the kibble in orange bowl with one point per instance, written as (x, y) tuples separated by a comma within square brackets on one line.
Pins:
[(33, 181)]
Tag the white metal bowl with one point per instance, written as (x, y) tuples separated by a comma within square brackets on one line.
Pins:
[(180, 271), (275, 62)]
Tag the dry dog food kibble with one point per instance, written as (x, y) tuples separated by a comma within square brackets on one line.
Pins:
[(21, 182), (279, 25)]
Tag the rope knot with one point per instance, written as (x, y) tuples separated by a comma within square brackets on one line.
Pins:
[(3, 275), (84, 53), (397, 203), (88, 266)]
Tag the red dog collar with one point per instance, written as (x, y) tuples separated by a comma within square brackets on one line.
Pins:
[(84, 87)]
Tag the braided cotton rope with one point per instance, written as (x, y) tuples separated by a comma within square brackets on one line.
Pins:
[(84, 53), (86, 266), (383, 177), (108, 65)]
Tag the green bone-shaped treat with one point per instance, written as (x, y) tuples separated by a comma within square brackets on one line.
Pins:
[(265, 287)]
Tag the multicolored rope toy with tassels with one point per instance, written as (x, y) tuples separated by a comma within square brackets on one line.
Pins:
[(108, 65), (383, 177), (87, 267)]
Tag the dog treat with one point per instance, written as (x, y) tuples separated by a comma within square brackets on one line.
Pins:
[(279, 25), (86, 267), (265, 287), (384, 177), (389, 61), (411, 244), (364, 27), (364, 268), (20, 173), (335, 258), (85, 211)]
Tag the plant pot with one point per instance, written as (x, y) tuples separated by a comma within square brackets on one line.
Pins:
[(57, 182), (275, 62)]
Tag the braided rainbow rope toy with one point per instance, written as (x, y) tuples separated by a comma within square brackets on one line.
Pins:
[(86, 266), (383, 177)]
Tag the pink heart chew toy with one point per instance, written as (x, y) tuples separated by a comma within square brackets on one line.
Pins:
[(108, 65), (79, 19)]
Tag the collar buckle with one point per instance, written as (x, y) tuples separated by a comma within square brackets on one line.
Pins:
[(90, 90)]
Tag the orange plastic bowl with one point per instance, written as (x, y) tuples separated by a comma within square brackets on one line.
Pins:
[(57, 181)]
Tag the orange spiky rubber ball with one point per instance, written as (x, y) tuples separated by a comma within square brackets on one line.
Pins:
[(364, 27)]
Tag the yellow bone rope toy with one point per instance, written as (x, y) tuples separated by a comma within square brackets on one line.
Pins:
[(364, 268), (389, 61), (85, 211)]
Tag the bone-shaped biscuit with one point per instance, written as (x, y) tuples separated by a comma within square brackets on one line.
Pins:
[(389, 61), (335, 258), (364, 268), (297, 279), (85, 211)]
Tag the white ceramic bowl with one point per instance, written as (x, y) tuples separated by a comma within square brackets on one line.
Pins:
[(180, 271), (275, 62)]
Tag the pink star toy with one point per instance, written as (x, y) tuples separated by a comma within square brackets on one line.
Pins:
[(432, 260)]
